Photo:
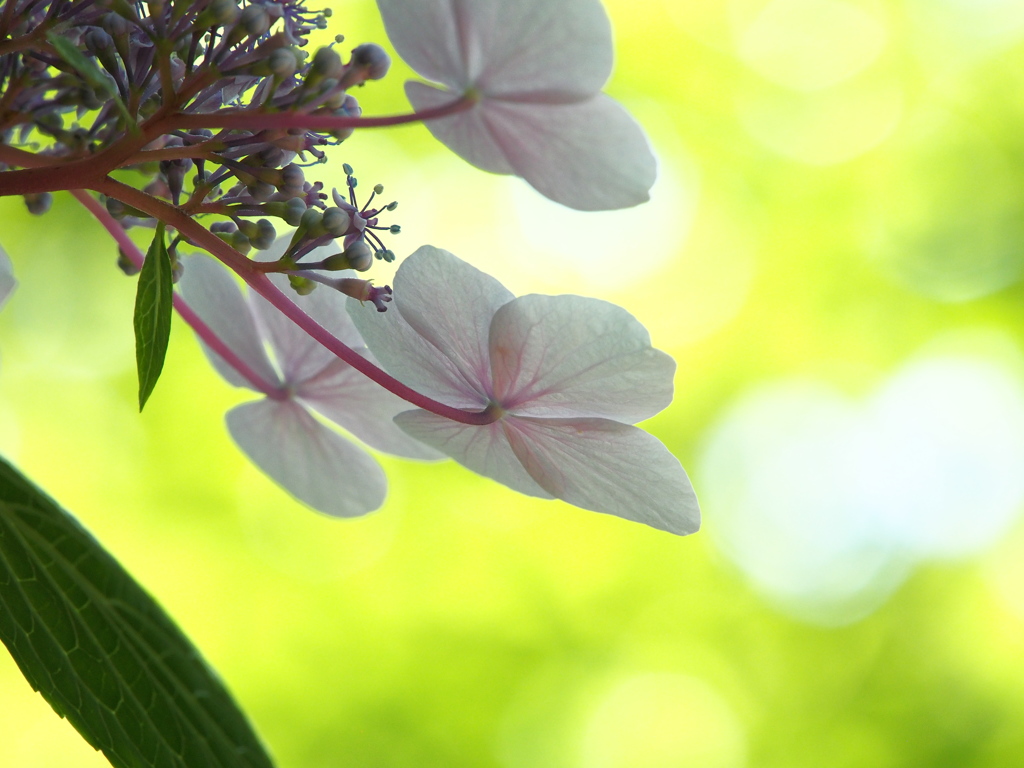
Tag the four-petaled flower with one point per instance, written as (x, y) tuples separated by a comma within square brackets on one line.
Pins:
[(566, 377), (535, 69), (311, 461)]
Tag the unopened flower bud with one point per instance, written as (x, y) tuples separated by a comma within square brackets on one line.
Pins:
[(239, 242), (255, 20), (359, 256), (271, 157), (349, 109), (116, 26), (265, 235), (116, 208), (326, 63), (301, 285), (311, 220), (177, 270), (125, 264), (219, 13), (38, 203), (336, 221), (97, 39), (293, 176), (283, 62), (295, 208), (261, 191), (371, 60)]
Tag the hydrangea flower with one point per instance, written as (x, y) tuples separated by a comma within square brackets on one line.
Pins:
[(565, 376), (535, 69), (308, 459)]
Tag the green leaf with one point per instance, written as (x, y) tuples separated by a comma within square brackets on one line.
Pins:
[(153, 302), (102, 652)]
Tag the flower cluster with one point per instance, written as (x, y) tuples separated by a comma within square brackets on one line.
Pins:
[(217, 106)]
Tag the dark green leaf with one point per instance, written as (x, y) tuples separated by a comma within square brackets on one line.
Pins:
[(102, 652), (153, 302)]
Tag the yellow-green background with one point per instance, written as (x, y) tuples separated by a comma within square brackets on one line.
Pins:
[(462, 625)]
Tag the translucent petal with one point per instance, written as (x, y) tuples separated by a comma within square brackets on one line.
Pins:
[(314, 464), (411, 359), (569, 356), (538, 46), (212, 293), (485, 450), (450, 303), (298, 354), (7, 281), (589, 155), (427, 36), (466, 133), (607, 467), (501, 46), (364, 408)]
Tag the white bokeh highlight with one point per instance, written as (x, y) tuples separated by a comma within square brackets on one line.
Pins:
[(826, 502)]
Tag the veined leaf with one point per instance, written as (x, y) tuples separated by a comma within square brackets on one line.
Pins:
[(102, 652), (153, 302)]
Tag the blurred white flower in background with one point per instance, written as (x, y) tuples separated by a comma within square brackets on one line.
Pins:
[(826, 504)]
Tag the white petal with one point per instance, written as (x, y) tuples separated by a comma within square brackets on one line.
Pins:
[(465, 133), (607, 467), (450, 303), (213, 294), (426, 35), (569, 356), (364, 408), (560, 48), (411, 359), (501, 46), (590, 155), (485, 450), (314, 464), (299, 355), (7, 281)]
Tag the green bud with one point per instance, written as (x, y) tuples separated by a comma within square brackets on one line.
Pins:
[(301, 285)]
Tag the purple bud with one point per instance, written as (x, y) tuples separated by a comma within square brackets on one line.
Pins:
[(38, 203), (125, 264), (265, 235), (372, 60)]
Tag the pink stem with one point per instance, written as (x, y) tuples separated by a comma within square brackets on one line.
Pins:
[(260, 283), (256, 120), (203, 331)]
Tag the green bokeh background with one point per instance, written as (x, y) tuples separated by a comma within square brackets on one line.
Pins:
[(841, 185)]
